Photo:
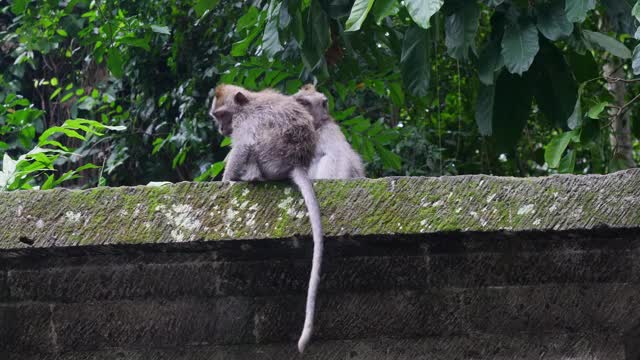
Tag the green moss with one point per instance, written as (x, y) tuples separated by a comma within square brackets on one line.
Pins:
[(154, 198), (213, 211)]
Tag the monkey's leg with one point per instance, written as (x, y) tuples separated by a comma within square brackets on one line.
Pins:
[(253, 171), (328, 168), (236, 161)]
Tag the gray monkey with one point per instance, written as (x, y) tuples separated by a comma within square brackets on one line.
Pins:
[(334, 158), (272, 138)]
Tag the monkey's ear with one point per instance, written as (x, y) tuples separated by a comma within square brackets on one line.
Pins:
[(240, 98), (302, 101)]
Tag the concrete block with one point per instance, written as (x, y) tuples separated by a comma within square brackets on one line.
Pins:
[(138, 325), (26, 328)]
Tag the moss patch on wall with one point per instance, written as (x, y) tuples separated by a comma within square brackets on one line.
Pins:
[(404, 205)]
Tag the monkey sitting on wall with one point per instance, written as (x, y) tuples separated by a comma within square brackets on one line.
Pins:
[(334, 158), (272, 138)]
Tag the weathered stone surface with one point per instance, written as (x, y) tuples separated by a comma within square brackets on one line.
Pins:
[(452, 268), (632, 343), (4, 287), (478, 346), (26, 328), (216, 211), (153, 324), (139, 281), (411, 314)]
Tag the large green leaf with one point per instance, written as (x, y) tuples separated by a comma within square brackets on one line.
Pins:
[(271, 38), (635, 63), (19, 6), (556, 90), (511, 109), (567, 163), (576, 10), (552, 21), (249, 19), (484, 109), (336, 9), (359, 12), (519, 46), (556, 147), (575, 120), (388, 158), (316, 36), (58, 129), (613, 46), (383, 8), (115, 62), (297, 26), (240, 48), (460, 30), (204, 5), (421, 11), (635, 11), (489, 62), (396, 93), (596, 110), (161, 29), (416, 61), (285, 16), (141, 42)]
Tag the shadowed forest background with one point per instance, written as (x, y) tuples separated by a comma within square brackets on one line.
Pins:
[(97, 93)]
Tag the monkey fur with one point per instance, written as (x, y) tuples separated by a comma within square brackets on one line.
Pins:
[(272, 138), (334, 158)]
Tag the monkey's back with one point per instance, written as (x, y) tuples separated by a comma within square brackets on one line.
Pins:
[(282, 133), (335, 158)]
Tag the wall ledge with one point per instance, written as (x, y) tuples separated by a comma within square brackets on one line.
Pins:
[(187, 212)]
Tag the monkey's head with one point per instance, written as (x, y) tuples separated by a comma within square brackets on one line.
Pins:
[(315, 102), (228, 101)]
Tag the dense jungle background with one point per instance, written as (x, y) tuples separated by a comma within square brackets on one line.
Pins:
[(97, 93)]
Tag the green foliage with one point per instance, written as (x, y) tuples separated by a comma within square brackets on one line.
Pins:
[(555, 87), (416, 61), (576, 10), (202, 6), (607, 43), (421, 11), (359, 12), (552, 22), (519, 46), (37, 166), (419, 87), (461, 28), (557, 146)]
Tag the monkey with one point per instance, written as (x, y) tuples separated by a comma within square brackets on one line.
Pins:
[(334, 158), (273, 138), (224, 124)]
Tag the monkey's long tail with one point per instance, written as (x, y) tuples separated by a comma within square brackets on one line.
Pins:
[(301, 179)]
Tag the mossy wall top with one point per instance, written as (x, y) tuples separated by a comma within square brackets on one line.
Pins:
[(405, 205)]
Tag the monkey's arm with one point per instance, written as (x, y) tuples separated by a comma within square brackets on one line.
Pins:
[(236, 161)]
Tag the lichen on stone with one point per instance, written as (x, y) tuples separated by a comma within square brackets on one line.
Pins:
[(405, 205)]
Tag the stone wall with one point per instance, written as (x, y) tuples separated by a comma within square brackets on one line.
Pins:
[(471, 267)]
